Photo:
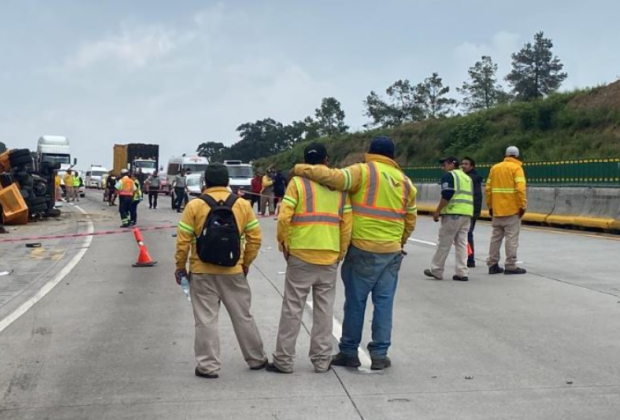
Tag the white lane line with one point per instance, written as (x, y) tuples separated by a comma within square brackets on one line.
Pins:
[(423, 242), (14, 316), (337, 333)]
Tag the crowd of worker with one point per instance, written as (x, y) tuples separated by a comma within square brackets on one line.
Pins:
[(362, 216)]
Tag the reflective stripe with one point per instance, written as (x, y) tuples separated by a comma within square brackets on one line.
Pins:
[(315, 218), (343, 200), (348, 209), (412, 209), (520, 179), (185, 227), (457, 184), (388, 214), (406, 191), (371, 192), (290, 201), (503, 190), (309, 194), (347, 179), (461, 201), (251, 225)]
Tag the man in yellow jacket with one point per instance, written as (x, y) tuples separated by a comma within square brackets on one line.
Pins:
[(507, 201), (314, 232), (212, 284), (384, 216)]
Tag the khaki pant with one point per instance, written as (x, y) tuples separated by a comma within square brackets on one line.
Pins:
[(208, 291), (453, 229), (505, 227), (76, 193), (300, 278), (267, 199), (68, 193)]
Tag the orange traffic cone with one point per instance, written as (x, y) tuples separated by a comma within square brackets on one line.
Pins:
[(144, 259), (470, 251)]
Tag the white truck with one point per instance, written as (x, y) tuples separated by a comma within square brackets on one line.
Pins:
[(95, 177), (241, 175), (54, 149)]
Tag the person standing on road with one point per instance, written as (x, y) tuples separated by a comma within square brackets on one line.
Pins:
[(137, 198), (455, 210), (68, 186), (279, 188), (507, 202), (468, 165), (126, 188), (77, 182), (211, 285), (314, 232), (256, 187), (57, 189), (111, 186), (384, 216), (267, 197), (152, 186), (180, 189)]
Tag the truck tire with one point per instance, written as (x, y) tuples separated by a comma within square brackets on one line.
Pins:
[(20, 161), (13, 154)]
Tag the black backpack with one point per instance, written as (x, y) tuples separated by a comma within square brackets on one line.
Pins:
[(219, 242)]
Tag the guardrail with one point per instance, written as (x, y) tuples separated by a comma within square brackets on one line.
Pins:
[(604, 172)]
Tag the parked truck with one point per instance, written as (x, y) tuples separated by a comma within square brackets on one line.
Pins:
[(135, 156)]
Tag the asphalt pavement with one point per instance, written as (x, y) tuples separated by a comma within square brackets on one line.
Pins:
[(109, 341)]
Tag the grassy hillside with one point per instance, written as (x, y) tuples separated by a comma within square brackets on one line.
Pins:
[(579, 124)]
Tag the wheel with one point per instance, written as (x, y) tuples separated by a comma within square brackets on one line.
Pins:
[(18, 153), (20, 161)]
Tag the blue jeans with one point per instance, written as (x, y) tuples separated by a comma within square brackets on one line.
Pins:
[(364, 273)]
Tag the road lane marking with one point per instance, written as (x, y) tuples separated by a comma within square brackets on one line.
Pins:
[(422, 242), (21, 310)]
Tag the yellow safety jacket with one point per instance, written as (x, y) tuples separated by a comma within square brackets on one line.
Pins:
[(506, 188), (126, 187), (462, 202)]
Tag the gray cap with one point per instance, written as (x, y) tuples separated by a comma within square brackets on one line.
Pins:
[(512, 151)]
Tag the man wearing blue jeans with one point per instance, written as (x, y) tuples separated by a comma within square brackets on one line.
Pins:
[(384, 216)]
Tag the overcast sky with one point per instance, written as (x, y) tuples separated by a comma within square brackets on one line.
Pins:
[(183, 72)]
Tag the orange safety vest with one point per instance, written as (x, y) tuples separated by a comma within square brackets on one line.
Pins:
[(127, 187), (380, 205)]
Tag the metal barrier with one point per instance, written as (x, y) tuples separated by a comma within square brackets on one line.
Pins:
[(603, 172)]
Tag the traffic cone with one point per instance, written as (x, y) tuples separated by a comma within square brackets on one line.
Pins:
[(144, 259), (470, 251)]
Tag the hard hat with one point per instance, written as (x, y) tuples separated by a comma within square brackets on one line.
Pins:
[(512, 151), (124, 171)]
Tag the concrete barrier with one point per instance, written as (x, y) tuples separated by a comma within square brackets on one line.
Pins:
[(601, 208), (540, 204)]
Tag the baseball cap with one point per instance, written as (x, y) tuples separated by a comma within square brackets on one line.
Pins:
[(315, 153), (449, 159), (382, 145), (512, 151)]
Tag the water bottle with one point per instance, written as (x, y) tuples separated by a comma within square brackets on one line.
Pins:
[(185, 287)]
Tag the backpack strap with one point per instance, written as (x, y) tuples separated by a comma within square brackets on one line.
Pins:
[(210, 201), (230, 201)]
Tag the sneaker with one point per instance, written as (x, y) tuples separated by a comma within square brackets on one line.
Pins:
[(273, 368), (471, 263), (323, 370), (517, 270), (260, 367), (495, 269), (346, 361), (206, 375), (380, 364), (429, 273), (459, 278), (125, 226), (3, 230)]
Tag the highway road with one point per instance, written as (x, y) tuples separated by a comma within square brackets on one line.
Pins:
[(108, 341)]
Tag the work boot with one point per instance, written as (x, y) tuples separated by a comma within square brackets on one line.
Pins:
[(346, 361), (517, 270), (206, 375), (273, 368), (471, 263), (260, 367), (380, 364), (3, 230), (495, 269), (429, 273), (459, 278)]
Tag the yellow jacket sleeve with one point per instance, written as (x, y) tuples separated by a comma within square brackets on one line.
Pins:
[(287, 210), (488, 190), (347, 179), (411, 216), (346, 226), (185, 238), (253, 235), (267, 182), (520, 187)]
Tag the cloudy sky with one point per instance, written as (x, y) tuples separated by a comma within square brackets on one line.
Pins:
[(183, 72)]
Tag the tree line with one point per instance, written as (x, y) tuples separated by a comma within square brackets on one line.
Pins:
[(536, 72)]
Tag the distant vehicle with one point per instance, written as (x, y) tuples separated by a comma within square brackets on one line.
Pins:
[(241, 175), (164, 183), (55, 150), (136, 156), (179, 164), (95, 177), (195, 184)]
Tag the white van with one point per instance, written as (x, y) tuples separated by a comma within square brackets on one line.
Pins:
[(241, 175), (179, 164), (95, 177)]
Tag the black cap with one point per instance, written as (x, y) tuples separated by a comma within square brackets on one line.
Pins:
[(449, 159), (216, 175), (383, 146), (315, 153)]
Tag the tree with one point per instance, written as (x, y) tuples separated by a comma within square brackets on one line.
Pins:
[(400, 109), (535, 71), (2, 147), (212, 150), (483, 91), (330, 118), (430, 97)]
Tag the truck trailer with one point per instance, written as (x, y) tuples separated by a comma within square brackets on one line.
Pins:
[(135, 156)]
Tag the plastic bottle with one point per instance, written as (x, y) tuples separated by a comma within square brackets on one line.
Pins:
[(185, 287)]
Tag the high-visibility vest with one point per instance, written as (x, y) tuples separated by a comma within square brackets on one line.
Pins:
[(76, 182), (380, 205), (316, 221), (462, 202), (137, 195), (125, 186)]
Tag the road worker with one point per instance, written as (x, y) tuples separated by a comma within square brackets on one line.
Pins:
[(212, 284), (126, 188), (384, 216), (455, 210), (468, 165), (77, 182), (267, 199), (507, 201), (137, 198), (68, 179), (57, 189), (314, 232)]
